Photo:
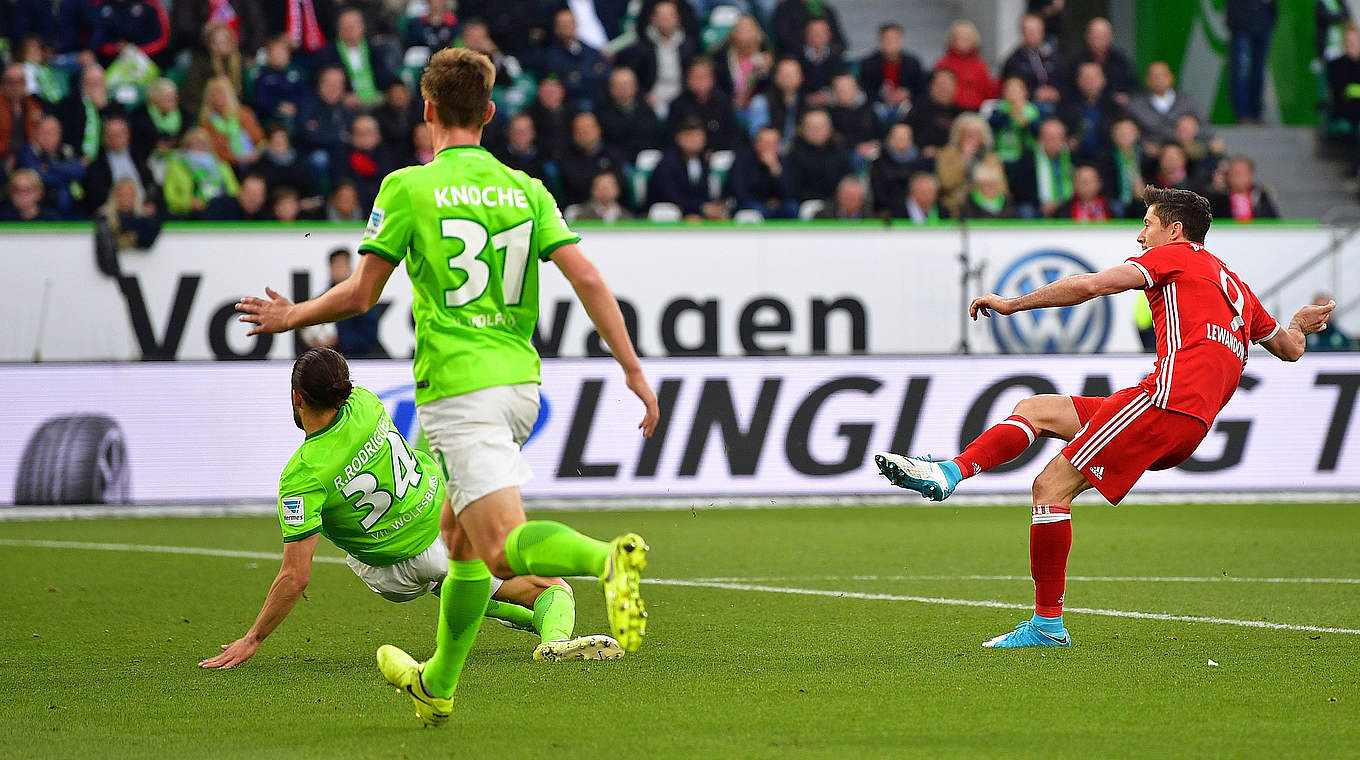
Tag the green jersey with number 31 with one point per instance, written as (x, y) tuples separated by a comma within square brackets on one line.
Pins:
[(472, 232), (358, 483)]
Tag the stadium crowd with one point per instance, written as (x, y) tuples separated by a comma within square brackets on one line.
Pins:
[(131, 111)]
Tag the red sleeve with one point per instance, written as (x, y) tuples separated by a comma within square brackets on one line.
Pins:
[(1260, 325), (1159, 264), (155, 46)]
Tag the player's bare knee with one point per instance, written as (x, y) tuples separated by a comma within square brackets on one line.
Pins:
[(498, 564)]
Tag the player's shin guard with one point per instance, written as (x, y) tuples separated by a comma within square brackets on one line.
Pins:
[(551, 549), (462, 601), (555, 613), (998, 444), (1050, 540)]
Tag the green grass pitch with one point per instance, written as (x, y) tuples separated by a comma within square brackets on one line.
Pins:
[(98, 649)]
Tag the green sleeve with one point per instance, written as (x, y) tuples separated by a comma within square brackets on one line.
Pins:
[(552, 231), (300, 500), (390, 224), (179, 188), (229, 176)]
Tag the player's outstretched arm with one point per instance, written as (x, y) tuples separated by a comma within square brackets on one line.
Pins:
[(1068, 291), (1289, 343), (294, 574), (355, 295), (604, 312)]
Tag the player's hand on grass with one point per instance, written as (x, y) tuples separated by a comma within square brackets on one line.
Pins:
[(983, 306), (637, 383), (268, 316), (233, 654), (1313, 319)]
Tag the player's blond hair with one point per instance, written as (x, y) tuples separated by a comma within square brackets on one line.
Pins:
[(458, 82)]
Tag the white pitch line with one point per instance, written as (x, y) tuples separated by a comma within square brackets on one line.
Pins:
[(725, 586), (1082, 578)]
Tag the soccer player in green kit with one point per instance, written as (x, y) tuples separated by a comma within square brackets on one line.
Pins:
[(357, 482), (471, 232)]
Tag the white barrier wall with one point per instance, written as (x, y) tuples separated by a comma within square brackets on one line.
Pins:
[(211, 432), (730, 291)]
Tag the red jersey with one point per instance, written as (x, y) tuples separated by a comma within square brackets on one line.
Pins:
[(1205, 318)]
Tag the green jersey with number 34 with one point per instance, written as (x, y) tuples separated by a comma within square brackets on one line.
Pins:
[(358, 483), (472, 232)]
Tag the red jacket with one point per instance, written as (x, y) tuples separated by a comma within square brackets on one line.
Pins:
[(974, 77)]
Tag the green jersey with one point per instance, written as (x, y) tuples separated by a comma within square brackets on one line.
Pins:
[(358, 483), (472, 232)]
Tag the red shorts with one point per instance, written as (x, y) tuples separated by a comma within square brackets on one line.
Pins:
[(1124, 436)]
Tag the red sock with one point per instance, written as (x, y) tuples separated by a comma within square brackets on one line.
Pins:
[(1050, 539), (998, 444)]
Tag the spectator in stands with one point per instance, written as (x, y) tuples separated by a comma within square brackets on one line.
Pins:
[(782, 103), (397, 117), (853, 118), (58, 166), (1122, 167), (143, 23), (891, 173), (82, 113), (1333, 18), (932, 118), (249, 205), (343, 205), (422, 147), (1089, 114), (743, 61), (49, 83), (1331, 338), (284, 206), (115, 163), (1013, 121), (626, 121), (1099, 48), (1250, 24), (817, 161), (988, 198), (974, 78), (23, 199), (851, 202), (219, 56), (1157, 110), (1036, 63), (603, 204), (436, 29), (323, 122), (158, 124), (1051, 12), (232, 127), (760, 181), (580, 68), (790, 21), (356, 337), (19, 115), (521, 147), (1343, 81), (682, 176), (821, 59), (660, 55), (512, 87), (892, 77), (552, 116), (196, 178), (1042, 180), (280, 86), (1173, 167), (585, 158), (281, 166), (246, 17), (1244, 200), (127, 218), (1088, 203), (366, 162), (923, 196), (970, 145), (689, 19), (517, 26), (703, 102), (365, 73), (1202, 151)]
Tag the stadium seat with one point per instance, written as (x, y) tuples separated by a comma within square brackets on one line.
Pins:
[(665, 212), (719, 166), (748, 216), (809, 208), (643, 166)]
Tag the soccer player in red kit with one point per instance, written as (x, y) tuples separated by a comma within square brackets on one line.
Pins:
[(1205, 319)]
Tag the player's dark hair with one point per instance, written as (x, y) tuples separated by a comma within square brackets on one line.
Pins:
[(321, 375), (1191, 209)]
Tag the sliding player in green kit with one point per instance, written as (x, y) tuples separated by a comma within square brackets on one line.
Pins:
[(472, 232), (357, 482)]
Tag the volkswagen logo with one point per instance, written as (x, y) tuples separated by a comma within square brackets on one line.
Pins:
[(1080, 329)]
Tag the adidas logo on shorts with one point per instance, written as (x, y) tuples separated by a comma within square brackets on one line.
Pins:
[(1098, 472)]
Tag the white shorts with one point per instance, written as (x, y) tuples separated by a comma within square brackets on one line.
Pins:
[(412, 578), (477, 438)]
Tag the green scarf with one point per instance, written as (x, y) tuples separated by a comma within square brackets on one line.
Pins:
[(208, 180), (89, 142), (360, 77), (231, 128), (1126, 168), (1053, 189), (1013, 140), (992, 206), (51, 87), (166, 123)]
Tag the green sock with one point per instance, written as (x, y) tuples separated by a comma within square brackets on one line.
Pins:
[(547, 548), (462, 600), (555, 614), (519, 617)]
